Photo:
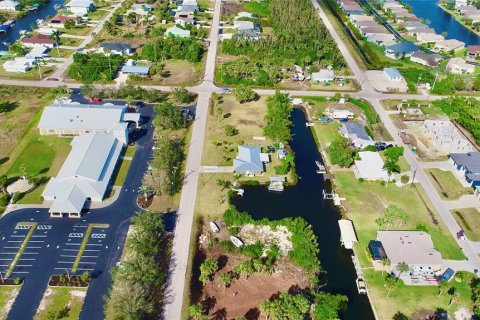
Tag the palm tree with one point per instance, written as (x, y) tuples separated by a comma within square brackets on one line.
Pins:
[(391, 283), (55, 36), (442, 286), (385, 263), (145, 190), (454, 298), (402, 267), (391, 166)]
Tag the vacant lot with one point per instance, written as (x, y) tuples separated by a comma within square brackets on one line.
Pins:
[(469, 220), (447, 184), (33, 74), (182, 72), (212, 198), (61, 303)]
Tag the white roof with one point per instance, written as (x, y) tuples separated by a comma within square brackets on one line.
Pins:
[(323, 74), (8, 4), (18, 63), (80, 3), (81, 116), (36, 52), (244, 25), (342, 114), (85, 173), (370, 166), (346, 231), (410, 247), (176, 31)]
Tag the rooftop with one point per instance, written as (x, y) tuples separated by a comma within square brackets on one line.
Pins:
[(470, 161), (370, 166), (403, 47), (356, 129)]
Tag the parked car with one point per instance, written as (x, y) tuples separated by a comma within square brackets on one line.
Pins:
[(461, 235), (226, 90), (270, 149), (96, 100)]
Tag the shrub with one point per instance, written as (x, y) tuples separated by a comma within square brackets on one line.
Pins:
[(231, 131)]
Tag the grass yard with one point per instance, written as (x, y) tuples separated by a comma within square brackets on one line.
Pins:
[(120, 172), (402, 162), (469, 220), (446, 184), (130, 152), (211, 199), (7, 298), (61, 53), (61, 303), (183, 72), (70, 42), (78, 31), (97, 15), (32, 74), (410, 299)]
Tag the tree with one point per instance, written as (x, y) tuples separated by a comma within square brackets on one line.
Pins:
[(207, 269), (244, 93), (443, 286), (394, 153), (277, 120), (196, 311), (145, 190), (219, 113), (231, 131), (168, 116), (400, 316), (327, 306), (181, 95), (226, 279), (286, 306), (450, 4), (402, 268), (17, 48), (391, 166), (69, 24), (390, 283), (454, 297), (341, 154)]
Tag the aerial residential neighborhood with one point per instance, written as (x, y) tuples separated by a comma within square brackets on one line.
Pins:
[(234, 159)]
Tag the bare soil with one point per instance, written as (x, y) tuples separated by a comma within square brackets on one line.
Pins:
[(75, 281), (243, 297)]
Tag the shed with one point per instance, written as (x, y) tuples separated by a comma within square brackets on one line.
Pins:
[(347, 234)]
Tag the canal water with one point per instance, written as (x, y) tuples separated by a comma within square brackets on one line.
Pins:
[(28, 21), (441, 21), (305, 200)]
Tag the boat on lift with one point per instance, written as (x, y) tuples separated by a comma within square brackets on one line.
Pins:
[(236, 241), (321, 167), (362, 289), (214, 227)]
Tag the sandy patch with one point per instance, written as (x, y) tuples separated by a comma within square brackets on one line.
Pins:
[(44, 302), (279, 237)]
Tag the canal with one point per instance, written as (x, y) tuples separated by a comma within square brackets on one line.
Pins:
[(28, 21), (305, 200), (441, 21)]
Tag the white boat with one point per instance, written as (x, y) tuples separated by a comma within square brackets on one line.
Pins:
[(214, 227), (237, 242), (362, 289), (321, 167), (309, 124), (22, 32), (276, 186)]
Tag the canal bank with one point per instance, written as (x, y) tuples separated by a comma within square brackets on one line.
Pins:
[(26, 23), (442, 21), (305, 200)]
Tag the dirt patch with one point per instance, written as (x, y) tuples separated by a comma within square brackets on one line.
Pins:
[(78, 294), (243, 297)]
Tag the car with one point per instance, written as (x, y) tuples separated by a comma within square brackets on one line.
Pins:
[(96, 100), (139, 104), (270, 149), (343, 120), (226, 90), (461, 235)]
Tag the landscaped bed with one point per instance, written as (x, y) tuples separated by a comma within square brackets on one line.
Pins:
[(61, 303), (67, 280)]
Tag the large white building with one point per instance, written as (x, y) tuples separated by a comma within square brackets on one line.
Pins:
[(73, 119), (85, 174)]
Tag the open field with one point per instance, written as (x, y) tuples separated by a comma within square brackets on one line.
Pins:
[(446, 184), (61, 303), (469, 220), (211, 198), (7, 298), (177, 73)]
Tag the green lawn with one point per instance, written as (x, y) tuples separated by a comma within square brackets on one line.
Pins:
[(60, 53), (367, 201), (121, 171), (77, 31), (70, 299), (7, 293), (70, 42), (97, 14), (446, 184), (32, 74), (408, 299), (469, 220), (130, 152), (401, 162)]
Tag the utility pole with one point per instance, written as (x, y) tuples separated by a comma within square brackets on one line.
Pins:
[(413, 178)]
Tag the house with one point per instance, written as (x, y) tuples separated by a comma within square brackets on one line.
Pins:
[(348, 238), (9, 5), (459, 66), (448, 45), (410, 25), (183, 18), (188, 8), (429, 60), (85, 174), (373, 30), (59, 21), (178, 32), (382, 39), (360, 17), (342, 114), (467, 165), (80, 7), (121, 49), (323, 75), (65, 118), (474, 16), (38, 40), (462, 10), (244, 14), (399, 11), (401, 50), (446, 137), (429, 37), (477, 192), (243, 25), (249, 161), (416, 250), (132, 68), (19, 65), (37, 53), (473, 51), (142, 9), (390, 5), (356, 133), (416, 31), (368, 23), (369, 167), (461, 3), (393, 74)]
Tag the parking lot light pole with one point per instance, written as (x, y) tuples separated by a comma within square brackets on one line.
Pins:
[(1, 276), (68, 275)]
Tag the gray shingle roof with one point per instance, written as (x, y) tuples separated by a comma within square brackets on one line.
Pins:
[(357, 129), (403, 47), (470, 161), (114, 46)]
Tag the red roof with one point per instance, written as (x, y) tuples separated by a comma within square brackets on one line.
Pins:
[(38, 38), (61, 19), (473, 49)]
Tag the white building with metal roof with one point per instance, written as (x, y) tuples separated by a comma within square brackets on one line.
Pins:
[(348, 238), (85, 174), (73, 119)]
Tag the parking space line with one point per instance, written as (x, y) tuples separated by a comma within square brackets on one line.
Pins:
[(94, 244), (30, 253), (70, 249), (89, 256), (94, 250), (11, 247), (39, 236), (70, 262), (20, 251), (72, 244), (87, 262), (20, 272), (15, 241), (33, 248), (25, 259), (37, 241), (18, 236), (66, 255), (23, 265), (8, 253), (85, 269), (6, 259)]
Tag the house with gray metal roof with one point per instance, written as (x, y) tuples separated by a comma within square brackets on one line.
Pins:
[(356, 133), (467, 165), (400, 50), (85, 174), (249, 160), (73, 119), (115, 48)]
